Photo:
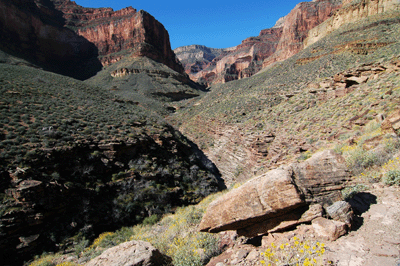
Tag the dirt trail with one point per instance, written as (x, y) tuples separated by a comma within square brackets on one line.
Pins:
[(377, 240)]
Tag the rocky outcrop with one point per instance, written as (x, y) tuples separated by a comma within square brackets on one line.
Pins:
[(133, 253), (391, 124), (351, 12), (120, 33), (279, 198), (34, 30), (275, 44)]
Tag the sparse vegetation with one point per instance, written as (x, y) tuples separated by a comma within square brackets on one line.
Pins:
[(294, 252), (392, 177), (350, 191)]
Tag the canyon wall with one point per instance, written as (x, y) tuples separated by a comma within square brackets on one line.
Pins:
[(275, 44), (350, 13), (297, 24), (63, 37), (34, 30), (120, 33)]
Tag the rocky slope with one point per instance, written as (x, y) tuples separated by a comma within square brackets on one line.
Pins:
[(120, 33), (276, 44)]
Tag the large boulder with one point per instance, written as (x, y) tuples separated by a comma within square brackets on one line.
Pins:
[(322, 177), (268, 196), (279, 199), (130, 254)]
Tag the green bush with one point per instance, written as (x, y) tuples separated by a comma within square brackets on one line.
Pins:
[(358, 159), (151, 220), (392, 177), (349, 192)]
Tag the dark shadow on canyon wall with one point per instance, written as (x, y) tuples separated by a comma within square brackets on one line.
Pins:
[(34, 31)]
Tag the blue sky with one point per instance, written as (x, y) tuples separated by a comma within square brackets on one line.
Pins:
[(216, 24)]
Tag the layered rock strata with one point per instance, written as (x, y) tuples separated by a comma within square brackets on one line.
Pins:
[(351, 12), (120, 33)]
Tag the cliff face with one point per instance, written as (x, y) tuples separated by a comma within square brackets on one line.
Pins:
[(118, 33), (63, 37), (276, 44), (349, 14), (34, 30), (298, 23)]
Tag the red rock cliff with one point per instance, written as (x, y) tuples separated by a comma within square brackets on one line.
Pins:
[(298, 23), (119, 33), (278, 43)]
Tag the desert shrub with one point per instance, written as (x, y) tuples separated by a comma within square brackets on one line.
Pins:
[(151, 220), (174, 235), (68, 263), (81, 245), (391, 144), (392, 177), (305, 155), (294, 252), (45, 260), (357, 159), (349, 192)]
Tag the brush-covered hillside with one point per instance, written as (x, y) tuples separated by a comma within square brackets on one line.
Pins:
[(148, 83), (77, 160)]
